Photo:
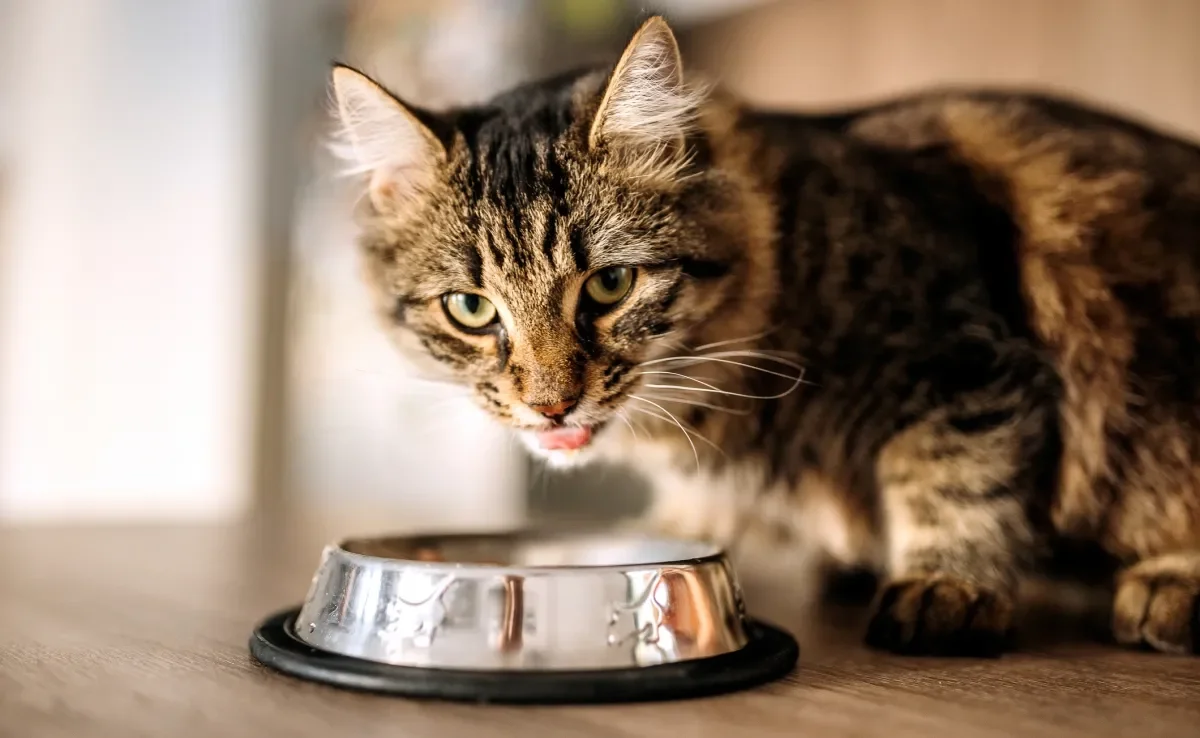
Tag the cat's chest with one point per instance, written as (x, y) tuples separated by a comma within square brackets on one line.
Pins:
[(739, 503)]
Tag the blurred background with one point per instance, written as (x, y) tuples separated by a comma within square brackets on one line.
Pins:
[(182, 332)]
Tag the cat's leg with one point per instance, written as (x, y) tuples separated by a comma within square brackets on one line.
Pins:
[(1157, 603), (1150, 505), (954, 491)]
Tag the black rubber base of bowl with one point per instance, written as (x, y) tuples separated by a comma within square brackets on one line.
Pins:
[(770, 654)]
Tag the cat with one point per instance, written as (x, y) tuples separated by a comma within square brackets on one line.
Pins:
[(938, 335)]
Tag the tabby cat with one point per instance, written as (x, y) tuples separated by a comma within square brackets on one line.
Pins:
[(937, 335)]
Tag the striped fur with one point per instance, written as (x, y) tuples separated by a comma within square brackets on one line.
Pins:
[(995, 298)]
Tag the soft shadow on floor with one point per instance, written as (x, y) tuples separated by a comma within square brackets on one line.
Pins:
[(831, 615)]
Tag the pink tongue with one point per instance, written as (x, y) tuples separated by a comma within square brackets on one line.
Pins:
[(564, 439)]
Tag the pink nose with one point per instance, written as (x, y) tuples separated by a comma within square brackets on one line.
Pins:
[(556, 410)]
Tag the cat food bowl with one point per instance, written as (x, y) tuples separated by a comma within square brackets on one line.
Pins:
[(526, 618)]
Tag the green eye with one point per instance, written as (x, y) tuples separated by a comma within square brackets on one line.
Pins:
[(470, 311), (609, 286)]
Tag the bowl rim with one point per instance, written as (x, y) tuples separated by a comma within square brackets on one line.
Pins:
[(711, 552)]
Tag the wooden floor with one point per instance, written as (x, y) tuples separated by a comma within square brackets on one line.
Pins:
[(142, 632)]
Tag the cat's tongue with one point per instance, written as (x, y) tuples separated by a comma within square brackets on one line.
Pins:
[(564, 439)]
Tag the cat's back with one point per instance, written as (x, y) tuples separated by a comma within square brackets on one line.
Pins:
[(1106, 216), (1075, 178)]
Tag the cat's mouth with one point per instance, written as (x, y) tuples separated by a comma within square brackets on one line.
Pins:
[(565, 438), (562, 445)]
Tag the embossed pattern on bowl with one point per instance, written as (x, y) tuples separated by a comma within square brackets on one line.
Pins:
[(523, 602)]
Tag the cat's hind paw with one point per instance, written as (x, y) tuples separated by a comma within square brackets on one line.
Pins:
[(941, 616)]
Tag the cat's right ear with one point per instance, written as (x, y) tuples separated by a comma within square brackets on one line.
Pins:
[(383, 138)]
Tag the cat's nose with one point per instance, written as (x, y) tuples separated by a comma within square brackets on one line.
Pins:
[(555, 410)]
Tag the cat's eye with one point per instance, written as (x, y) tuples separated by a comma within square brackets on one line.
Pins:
[(609, 286), (470, 311)]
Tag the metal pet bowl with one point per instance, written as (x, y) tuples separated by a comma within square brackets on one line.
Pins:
[(526, 618)]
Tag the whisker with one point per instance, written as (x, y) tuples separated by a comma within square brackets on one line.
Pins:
[(674, 343), (748, 366), (798, 380), (676, 374), (731, 341), (686, 435), (624, 418), (682, 362), (699, 403), (770, 354), (634, 421), (720, 358), (688, 429), (785, 393)]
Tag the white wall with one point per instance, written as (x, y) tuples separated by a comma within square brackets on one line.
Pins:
[(128, 275)]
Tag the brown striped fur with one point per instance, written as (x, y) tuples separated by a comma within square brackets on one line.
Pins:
[(995, 298)]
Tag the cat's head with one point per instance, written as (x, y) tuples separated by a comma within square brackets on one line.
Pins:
[(538, 248)]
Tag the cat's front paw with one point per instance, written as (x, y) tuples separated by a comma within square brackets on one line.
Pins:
[(941, 616), (1157, 604)]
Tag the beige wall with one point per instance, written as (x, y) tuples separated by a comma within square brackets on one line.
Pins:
[(1138, 56), (129, 260)]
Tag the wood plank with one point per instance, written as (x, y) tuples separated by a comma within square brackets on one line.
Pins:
[(131, 632)]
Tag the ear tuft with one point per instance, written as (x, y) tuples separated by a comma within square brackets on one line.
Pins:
[(379, 136), (646, 102)]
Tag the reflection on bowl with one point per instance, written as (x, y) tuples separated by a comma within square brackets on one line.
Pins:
[(523, 602)]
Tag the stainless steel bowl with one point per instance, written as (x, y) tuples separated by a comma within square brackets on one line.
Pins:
[(523, 602)]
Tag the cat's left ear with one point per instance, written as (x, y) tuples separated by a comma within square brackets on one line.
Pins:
[(646, 103), (384, 138)]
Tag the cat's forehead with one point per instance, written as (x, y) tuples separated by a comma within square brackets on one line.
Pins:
[(525, 254), (521, 213), (504, 165), (523, 143), (526, 210)]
